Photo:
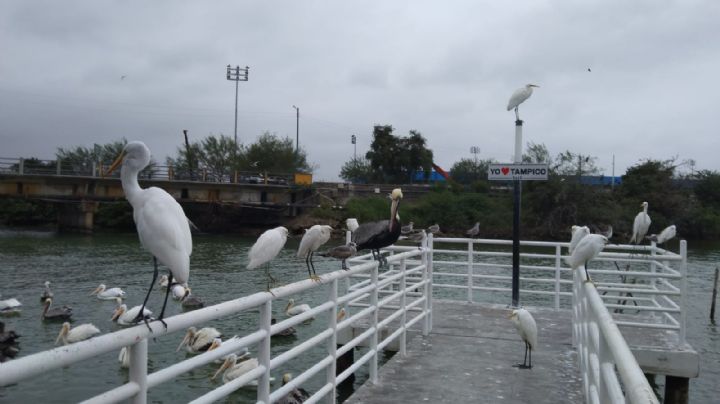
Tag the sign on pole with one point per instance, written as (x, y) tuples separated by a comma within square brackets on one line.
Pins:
[(522, 172)]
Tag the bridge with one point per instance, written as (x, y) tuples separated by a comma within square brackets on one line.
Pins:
[(434, 307)]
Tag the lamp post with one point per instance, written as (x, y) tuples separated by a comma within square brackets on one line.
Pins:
[(297, 128), (353, 140), (237, 74)]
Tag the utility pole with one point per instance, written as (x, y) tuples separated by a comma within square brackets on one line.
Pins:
[(353, 140), (517, 192), (237, 74), (297, 128)]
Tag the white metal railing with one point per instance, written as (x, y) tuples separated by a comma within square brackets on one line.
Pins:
[(408, 306), (652, 286), (609, 370)]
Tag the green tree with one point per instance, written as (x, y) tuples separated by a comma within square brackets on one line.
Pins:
[(569, 163), (707, 188), (469, 171), (274, 154), (82, 159), (356, 170), (393, 159)]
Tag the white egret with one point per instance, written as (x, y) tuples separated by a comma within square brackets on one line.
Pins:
[(667, 234), (292, 310), (578, 232), (196, 341), (108, 294), (267, 247), (46, 293), (518, 97), (295, 396), (587, 248), (474, 231), (234, 369), (56, 313), (382, 233), (124, 358), (352, 224), (10, 307), (123, 316), (641, 225), (162, 226), (79, 333), (313, 238), (525, 324), (341, 252), (288, 332)]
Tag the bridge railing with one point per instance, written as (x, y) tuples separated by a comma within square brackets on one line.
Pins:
[(408, 305), (644, 286)]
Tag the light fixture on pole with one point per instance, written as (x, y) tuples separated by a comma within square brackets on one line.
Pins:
[(353, 140), (237, 74), (297, 128)]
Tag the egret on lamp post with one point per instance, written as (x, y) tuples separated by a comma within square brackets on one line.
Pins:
[(519, 96)]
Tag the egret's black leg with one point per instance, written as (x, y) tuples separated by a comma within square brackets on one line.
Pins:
[(530, 348), (525, 358), (167, 293), (155, 274), (312, 253), (344, 265), (307, 264)]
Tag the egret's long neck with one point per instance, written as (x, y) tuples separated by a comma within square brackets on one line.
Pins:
[(128, 177), (645, 209)]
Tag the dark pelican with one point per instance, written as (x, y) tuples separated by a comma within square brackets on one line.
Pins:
[(380, 234), (192, 302), (341, 252), (296, 395), (56, 313), (8, 345), (288, 332)]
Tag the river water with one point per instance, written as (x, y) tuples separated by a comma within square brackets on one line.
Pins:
[(76, 264)]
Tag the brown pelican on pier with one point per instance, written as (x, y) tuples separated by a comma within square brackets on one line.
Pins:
[(380, 234)]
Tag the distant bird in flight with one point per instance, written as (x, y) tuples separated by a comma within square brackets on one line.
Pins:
[(122, 77), (589, 69), (518, 97)]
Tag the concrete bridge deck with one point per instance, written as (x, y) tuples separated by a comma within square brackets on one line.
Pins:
[(469, 356)]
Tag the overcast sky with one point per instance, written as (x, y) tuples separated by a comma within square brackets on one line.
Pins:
[(444, 68)]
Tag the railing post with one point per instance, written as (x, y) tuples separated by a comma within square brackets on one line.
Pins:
[(374, 338), (470, 272), (558, 251), (58, 170), (653, 280), (138, 369), (403, 321), (170, 173), (426, 287), (332, 342), (683, 290), (348, 283), (21, 166), (429, 294), (263, 390), (603, 355)]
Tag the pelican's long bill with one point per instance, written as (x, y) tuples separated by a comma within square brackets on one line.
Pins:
[(96, 291), (186, 340), (115, 164), (63, 331), (225, 365), (117, 313), (396, 195)]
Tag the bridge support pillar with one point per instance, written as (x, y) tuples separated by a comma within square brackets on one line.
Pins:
[(676, 390), (77, 216)]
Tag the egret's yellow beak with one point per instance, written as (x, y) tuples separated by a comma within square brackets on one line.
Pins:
[(115, 164)]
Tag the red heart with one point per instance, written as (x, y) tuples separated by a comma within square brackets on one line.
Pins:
[(505, 170)]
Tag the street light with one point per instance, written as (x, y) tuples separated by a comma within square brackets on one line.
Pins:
[(297, 128), (353, 140), (237, 74)]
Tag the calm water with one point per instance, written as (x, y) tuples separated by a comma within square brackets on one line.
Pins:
[(77, 264)]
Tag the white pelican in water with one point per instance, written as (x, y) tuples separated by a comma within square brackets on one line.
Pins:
[(196, 341), (162, 226), (10, 307), (267, 247), (313, 238), (123, 316), (667, 234), (79, 333), (525, 324), (376, 235), (124, 358), (218, 342), (292, 310), (588, 248), (518, 97), (234, 369), (641, 224), (578, 232), (47, 293), (108, 294), (56, 313)]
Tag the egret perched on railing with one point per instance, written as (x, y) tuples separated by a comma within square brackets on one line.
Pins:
[(667, 234), (267, 247), (380, 234), (588, 248), (641, 225), (313, 238), (162, 226), (352, 224), (578, 232), (525, 324), (518, 97)]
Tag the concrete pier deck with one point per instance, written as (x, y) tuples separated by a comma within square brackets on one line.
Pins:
[(469, 356)]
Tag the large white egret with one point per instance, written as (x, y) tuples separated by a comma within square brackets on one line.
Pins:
[(313, 238), (525, 324), (108, 294), (578, 232), (79, 333), (196, 341), (46, 293), (123, 316), (267, 247), (162, 226), (587, 248), (518, 97), (382, 233), (641, 225), (56, 313), (667, 234), (352, 224)]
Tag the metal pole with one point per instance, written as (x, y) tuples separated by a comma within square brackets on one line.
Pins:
[(714, 297), (297, 128), (236, 99), (517, 191)]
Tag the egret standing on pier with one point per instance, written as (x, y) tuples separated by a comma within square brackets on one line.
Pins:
[(525, 324), (267, 247), (518, 97), (641, 225), (162, 226), (380, 234), (313, 238)]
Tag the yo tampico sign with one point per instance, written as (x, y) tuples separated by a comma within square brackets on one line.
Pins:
[(513, 171)]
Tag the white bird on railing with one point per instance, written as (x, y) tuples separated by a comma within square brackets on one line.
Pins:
[(162, 226), (47, 293), (518, 97), (123, 316), (196, 341), (588, 248), (313, 239), (352, 224), (267, 247), (108, 294), (578, 232), (641, 225), (79, 333), (292, 310), (667, 234), (525, 324)]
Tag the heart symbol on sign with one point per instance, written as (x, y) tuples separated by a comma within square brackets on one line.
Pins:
[(505, 170)]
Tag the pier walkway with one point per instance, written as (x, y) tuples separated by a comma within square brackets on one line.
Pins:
[(468, 358)]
